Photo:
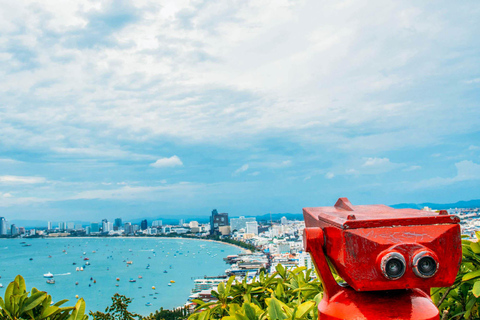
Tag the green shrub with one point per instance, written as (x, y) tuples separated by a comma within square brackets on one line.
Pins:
[(18, 304), (285, 294)]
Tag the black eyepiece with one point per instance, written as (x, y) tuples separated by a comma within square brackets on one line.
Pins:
[(393, 265), (394, 268), (424, 265)]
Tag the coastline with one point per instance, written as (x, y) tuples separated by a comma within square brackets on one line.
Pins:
[(139, 237)]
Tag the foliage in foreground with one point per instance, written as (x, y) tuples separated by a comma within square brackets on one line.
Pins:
[(462, 299), (285, 294), (20, 304)]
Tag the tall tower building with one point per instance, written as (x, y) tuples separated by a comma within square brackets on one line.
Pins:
[(118, 224), (217, 220), (3, 226), (144, 224)]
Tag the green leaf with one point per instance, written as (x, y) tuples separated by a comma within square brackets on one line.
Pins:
[(33, 301), (471, 275), (249, 311), (49, 311), (279, 291), (79, 311), (475, 246), (476, 289), (59, 303), (8, 296), (275, 310), (304, 309)]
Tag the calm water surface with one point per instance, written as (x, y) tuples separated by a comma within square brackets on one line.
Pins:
[(182, 259)]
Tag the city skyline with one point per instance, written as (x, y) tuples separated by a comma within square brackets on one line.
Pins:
[(130, 109)]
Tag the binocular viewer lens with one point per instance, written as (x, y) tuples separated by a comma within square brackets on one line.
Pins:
[(427, 266), (424, 265), (393, 265), (394, 268)]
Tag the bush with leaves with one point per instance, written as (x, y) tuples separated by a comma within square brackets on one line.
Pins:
[(117, 311), (285, 294), (462, 299), (20, 304)]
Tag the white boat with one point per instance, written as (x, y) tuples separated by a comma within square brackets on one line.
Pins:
[(1, 285), (48, 275)]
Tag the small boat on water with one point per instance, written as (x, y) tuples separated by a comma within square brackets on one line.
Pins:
[(51, 281), (132, 280), (171, 281), (165, 271), (169, 284), (140, 277), (148, 304), (77, 269), (1, 285), (85, 259), (30, 259), (48, 275), (129, 262)]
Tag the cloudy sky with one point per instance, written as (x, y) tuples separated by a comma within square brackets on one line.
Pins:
[(148, 108)]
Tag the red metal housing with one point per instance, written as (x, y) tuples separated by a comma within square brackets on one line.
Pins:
[(365, 243)]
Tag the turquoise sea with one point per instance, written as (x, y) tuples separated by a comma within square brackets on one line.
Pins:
[(182, 259)]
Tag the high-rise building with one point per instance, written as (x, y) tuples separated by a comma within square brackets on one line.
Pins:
[(240, 223), (13, 230), (104, 225), (70, 225), (49, 225), (94, 227), (78, 226), (144, 224), (157, 223), (283, 220), (181, 222), (217, 220), (252, 227), (118, 224), (128, 228), (61, 226), (3, 226)]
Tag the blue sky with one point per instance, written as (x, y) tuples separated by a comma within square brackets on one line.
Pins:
[(150, 108)]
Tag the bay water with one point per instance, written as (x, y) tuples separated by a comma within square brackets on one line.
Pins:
[(144, 268)]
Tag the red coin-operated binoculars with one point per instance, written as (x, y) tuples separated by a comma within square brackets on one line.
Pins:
[(389, 259)]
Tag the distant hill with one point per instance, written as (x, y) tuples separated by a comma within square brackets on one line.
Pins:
[(438, 206)]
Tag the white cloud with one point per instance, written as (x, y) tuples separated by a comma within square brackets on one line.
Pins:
[(472, 147), (139, 193), (376, 162), (21, 180), (173, 161), (241, 169), (466, 170), (254, 174), (329, 175), (5, 195), (230, 65), (9, 161), (412, 168), (471, 81)]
